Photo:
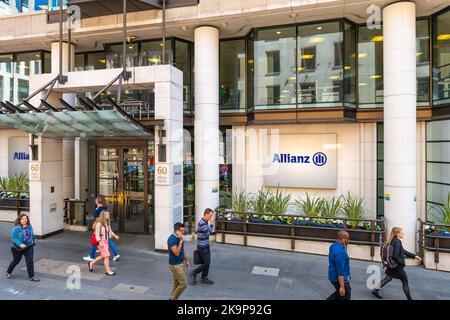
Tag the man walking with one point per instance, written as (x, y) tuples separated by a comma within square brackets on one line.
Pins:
[(177, 258), (204, 229), (339, 268)]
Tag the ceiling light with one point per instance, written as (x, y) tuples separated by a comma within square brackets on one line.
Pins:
[(293, 15), (184, 28), (362, 84), (301, 69), (316, 40), (38, 56), (154, 60), (319, 28), (102, 61), (377, 39), (292, 78), (419, 53), (334, 77), (278, 32), (347, 68), (362, 55), (445, 36), (375, 76), (307, 56)]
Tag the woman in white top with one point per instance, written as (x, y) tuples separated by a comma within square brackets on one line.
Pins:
[(103, 232)]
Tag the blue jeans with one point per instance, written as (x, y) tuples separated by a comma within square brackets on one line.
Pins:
[(112, 245)]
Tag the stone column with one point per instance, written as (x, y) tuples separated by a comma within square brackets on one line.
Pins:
[(206, 125), (168, 201), (399, 31)]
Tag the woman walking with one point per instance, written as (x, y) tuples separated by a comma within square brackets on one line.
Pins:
[(103, 233), (398, 257), (22, 244)]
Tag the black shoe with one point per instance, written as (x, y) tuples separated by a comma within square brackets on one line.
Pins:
[(34, 279), (376, 294), (207, 281), (89, 267), (193, 278)]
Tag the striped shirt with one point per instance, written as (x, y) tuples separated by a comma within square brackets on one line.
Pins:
[(203, 232)]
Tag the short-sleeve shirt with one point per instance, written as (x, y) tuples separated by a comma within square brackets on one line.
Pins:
[(173, 259), (98, 211)]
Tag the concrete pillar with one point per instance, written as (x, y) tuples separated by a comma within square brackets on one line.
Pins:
[(168, 199), (65, 57), (206, 126), (81, 169), (399, 31), (68, 168), (46, 187)]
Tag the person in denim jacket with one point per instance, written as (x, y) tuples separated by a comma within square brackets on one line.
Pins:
[(22, 244)]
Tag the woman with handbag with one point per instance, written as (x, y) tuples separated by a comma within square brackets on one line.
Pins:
[(22, 244), (103, 233), (398, 257)]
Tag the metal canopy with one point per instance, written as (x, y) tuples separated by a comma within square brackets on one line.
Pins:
[(86, 123), (95, 8)]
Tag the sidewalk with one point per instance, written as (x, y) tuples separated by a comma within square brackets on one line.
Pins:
[(144, 274)]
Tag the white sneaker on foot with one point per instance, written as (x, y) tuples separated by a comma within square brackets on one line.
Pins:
[(88, 258), (116, 258)]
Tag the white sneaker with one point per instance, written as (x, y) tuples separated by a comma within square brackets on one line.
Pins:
[(116, 258), (88, 258)]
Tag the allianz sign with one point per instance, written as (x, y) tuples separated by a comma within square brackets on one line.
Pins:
[(319, 158), (21, 156)]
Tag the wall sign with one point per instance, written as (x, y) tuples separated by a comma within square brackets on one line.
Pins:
[(34, 171), (18, 155), (177, 173), (301, 161), (162, 174)]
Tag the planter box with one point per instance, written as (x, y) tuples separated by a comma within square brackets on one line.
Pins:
[(444, 242), (12, 203), (316, 232), (231, 226), (268, 228)]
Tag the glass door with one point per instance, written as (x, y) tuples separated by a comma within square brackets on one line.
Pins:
[(108, 181)]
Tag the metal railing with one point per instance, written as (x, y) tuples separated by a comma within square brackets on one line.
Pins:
[(70, 213), (373, 235), (433, 236), (16, 203)]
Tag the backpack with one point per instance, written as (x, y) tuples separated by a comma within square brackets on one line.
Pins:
[(386, 253)]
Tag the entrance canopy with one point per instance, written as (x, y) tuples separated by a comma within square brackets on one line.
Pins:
[(85, 123)]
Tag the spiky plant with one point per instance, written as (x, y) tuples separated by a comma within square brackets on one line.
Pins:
[(259, 202), (353, 208), (278, 202), (331, 207), (241, 202), (310, 206)]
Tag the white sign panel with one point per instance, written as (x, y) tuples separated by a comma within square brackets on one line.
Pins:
[(301, 161), (18, 156), (34, 170)]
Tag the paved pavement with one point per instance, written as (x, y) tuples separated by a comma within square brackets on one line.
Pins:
[(239, 273)]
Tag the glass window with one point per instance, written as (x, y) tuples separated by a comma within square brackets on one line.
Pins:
[(114, 55), (423, 62), (96, 61), (319, 69), (47, 62), (250, 72), (225, 167), (232, 75), (26, 64), (370, 62), (350, 65), (183, 62), (151, 53), (438, 167), (380, 170), (441, 59), (274, 68), (6, 77), (80, 61)]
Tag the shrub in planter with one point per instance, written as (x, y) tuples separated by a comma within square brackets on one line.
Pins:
[(331, 207), (278, 202), (259, 202), (353, 208), (309, 207)]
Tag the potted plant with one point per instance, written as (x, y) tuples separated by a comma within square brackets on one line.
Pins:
[(353, 208), (13, 189), (240, 203), (442, 216)]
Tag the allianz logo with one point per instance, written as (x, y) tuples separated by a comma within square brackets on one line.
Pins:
[(21, 156), (319, 158)]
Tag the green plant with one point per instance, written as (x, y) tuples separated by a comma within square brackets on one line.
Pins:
[(353, 208), (241, 202), (310, 207), (331, 207), (278, 202), (20, 182), (259, 202), (443, 213)]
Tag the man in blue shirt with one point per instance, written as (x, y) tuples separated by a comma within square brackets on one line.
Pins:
[(204, 229), (176, 260), (339, 268)]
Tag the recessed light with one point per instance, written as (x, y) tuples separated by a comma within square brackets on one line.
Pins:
[(316, 40), (377, 39), (362, 55), (334, 77), (278, 32), (307, 56), (375, 76), (184, 28), (319, 28), (362, 84), (443, 37), (419, 53), (347, 68), (293, 15)]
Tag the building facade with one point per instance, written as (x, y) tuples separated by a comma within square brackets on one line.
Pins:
[(367, 81)]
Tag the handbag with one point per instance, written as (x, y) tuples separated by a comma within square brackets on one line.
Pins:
[(94, 241), (197, 257), (19, 248)]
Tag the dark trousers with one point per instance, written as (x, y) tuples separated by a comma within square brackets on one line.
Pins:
[(336, 296), (205, 253), (17, 256)]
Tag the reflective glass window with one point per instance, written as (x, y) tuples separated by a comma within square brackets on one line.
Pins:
[(183, 62), (441, 59)]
